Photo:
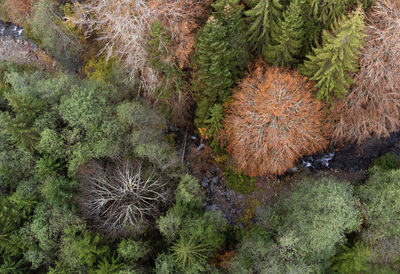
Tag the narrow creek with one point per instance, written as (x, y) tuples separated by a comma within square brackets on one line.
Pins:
[(348, 161), (10, 29)]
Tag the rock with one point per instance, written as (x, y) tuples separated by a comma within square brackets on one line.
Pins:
[(292, 170), (212, 207), (215, 180), (214, 170), (205, 182)]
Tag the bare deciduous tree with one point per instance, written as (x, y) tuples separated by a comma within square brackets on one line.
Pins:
[(117, 198), (182, 18), (122, 26), (373, 106)]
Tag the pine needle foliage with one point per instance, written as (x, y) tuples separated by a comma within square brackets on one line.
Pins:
[(221, 58), (262, 20), (287, 44), (327, 11), (330, 65), (352, 259), (189, 251)]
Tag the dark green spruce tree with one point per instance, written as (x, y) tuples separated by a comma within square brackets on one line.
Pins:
[(221, 58), (263, 20), (287, 44), (330, 65), (327, 11)]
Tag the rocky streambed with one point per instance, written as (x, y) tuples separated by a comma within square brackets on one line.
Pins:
[(16, 48), (10, 29), (349, 163)]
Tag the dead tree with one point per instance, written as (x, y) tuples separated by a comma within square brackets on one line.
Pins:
[(120, 197), (373, 106)]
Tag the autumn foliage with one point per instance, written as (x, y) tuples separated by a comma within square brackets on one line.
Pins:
[(182, 18), (18, 10), (373, 106), (272, 121)]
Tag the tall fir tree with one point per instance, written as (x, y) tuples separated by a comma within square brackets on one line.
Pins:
[(330, 64), (221, 58), (327, 11), (262, 19), (214, 57), (286, 48), (319, 15)]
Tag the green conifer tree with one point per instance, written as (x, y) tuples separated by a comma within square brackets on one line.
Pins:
[(214, 57), (221, 58), (288, 42), (327, 11), (330, 64), (263, 19)]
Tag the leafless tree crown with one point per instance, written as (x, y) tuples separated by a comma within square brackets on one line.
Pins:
[(373, 106), (117, 198)]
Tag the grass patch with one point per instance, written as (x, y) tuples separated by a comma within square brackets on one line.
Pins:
[(240, 182)]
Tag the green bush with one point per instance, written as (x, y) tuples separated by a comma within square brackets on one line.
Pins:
[(189, 192), (352, 260), (194, 236), (42, 234), (240, 182), (259, 253), (80, 251), (101, 70), (58, 191), (380, 199), (318, 214), (131, 251), (386, 162)]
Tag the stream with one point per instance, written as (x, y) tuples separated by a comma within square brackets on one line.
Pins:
[(9, 29), (352, 160)]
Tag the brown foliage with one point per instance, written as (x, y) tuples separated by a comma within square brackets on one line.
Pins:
[(18, 10), (122, 28), (201, 160), (120, 197), (373, 106), (273, 121), (182, 18), (223, 260)]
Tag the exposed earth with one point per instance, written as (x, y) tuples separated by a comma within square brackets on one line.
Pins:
[(14, 47)]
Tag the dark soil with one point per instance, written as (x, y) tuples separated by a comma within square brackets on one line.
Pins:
[(357, 158)]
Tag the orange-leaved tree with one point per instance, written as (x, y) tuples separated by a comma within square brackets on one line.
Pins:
[(17, 11), (373, 106), (272, 121)]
